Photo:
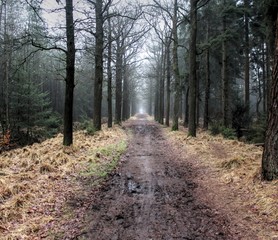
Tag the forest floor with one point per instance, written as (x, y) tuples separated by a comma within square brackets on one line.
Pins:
[(165, 185)]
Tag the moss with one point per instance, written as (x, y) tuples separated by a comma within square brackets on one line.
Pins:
[(104, 161)]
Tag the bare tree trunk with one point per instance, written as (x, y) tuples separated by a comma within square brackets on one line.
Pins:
[(1, 77), (70, 68), (192, 69), (225, 81), (168, 80), (133, 104), (150, 110), (270, 153), (119, 90), (6, 64), (247, 60), (162, 86), (126, 98), (207, 86), (186, 107), (259, 99), (264, 78), (268, 77), (156, 104), (98, 65), (109, 76), (176, 70)]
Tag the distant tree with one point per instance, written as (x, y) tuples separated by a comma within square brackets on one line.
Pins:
[(127, 35)]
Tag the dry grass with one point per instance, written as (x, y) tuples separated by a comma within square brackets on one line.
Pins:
[(36, 180), (237, 167)]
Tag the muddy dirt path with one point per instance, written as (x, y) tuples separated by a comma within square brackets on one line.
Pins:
[(151, 196)]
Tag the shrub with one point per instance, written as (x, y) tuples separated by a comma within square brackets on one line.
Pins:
[(228, 133), (215, 128), (256, 133), (54, 121), (89, 127), (240, 118)]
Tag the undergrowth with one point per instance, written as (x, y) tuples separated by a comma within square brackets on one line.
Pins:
[(228, 133)]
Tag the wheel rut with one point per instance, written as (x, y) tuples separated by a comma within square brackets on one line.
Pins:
[(151, 196)]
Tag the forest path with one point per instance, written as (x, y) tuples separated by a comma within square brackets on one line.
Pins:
[(151, 196)]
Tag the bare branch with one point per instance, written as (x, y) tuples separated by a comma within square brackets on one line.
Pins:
[(35, 10), (205, 2), (39, 46)]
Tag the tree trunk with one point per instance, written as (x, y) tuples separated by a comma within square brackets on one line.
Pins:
[(70, 68), (268, 77), (176, 70), (186, 107), (207, 91), (98, 65), (192, 69), (246, 50), (119, 90), (133, 104), (259, 99), (162, 86), (109, 76), (156, 104), (126, 100), (225, 81), (270, 153), (168, 81), (150, 106), (264, 77), (6, 69)]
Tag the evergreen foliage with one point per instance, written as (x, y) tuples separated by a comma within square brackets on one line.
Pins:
[(241, 118)]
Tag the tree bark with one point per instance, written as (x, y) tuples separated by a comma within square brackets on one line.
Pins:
[(6, 73), (225, 81), (207, 88), (162, 86), (156, 103), (126, 97), (109, 76), (186, 106), (119, 76), (247, 59), (98, 65), (70, 69), (176, 70), (268, 77), (168, 81), (150, 96), (192, 69), (264, 77), (270, 153)]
